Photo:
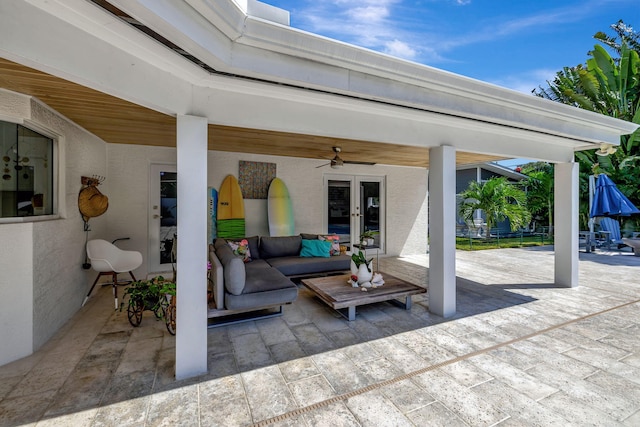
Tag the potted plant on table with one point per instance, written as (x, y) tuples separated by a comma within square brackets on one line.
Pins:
[(367, 238), (361, 268)]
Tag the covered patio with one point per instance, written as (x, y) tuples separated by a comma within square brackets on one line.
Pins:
[(520, 351), (199, 83)]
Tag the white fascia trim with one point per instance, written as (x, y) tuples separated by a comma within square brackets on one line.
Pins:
[(192, 26), (268, 36), (94, 20), (249, 36), (494, 167), (109, 56), (347, 105)]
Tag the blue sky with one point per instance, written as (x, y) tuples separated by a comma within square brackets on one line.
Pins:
[(517, 44)]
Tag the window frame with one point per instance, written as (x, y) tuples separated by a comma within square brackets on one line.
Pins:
[(58, 197)]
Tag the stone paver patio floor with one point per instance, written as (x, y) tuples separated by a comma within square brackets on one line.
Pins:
[(519, 352)]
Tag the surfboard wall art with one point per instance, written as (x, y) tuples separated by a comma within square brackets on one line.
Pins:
[(212, 200), (280, 209), (230, 216)]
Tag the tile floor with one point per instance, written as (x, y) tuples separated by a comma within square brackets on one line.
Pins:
[(519, 352)]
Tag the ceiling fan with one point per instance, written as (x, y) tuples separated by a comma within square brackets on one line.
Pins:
[(337, 162)]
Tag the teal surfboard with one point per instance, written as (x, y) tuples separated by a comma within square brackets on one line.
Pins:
[(212, 199), (280, 209)]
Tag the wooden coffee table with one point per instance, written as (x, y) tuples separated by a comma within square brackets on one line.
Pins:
[(338, 294)]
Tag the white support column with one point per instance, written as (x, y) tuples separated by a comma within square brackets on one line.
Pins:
[(191, 321), (442, 227), (566, 224)]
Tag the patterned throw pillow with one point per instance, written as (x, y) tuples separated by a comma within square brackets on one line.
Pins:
[(335, 243), (241, 249)]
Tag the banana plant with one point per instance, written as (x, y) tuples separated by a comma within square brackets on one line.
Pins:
[(612, 87)]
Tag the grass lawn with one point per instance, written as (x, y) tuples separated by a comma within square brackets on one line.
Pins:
[(474, 244)]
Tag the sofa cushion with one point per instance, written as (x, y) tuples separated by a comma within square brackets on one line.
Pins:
[(234, 271), (295, 265), (256, 264), (241, 249), (219, 241), (315, 248), (217, 278), (309, 236), (335, 243), (272, 247), (265, 287), (254, 247)]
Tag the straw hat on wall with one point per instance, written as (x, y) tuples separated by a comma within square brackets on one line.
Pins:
[(91, 202)]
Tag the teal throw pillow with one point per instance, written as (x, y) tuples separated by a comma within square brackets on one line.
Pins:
[(315, 248)]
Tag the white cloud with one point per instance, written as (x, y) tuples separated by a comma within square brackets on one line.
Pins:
[(409, 29), (400, 49), (367, 23), (370, 14), (526, 82)]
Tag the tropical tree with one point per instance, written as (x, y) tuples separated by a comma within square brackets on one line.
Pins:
[(612, 87), (499, 199), (539, 185), (624, 33)]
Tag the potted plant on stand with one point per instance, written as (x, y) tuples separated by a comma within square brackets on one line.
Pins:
[(156, 295)]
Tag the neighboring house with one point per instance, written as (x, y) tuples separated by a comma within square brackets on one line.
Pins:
[(466, 174), (136, 90)]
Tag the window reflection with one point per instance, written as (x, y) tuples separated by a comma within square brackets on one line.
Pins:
[(26, 187)]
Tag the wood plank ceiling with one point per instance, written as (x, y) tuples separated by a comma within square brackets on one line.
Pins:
[(121, 122)]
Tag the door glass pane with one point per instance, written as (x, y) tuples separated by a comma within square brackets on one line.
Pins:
[(168, 213), (370, 209), (339, 215)]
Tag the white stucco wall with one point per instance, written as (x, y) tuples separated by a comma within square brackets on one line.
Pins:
[(16, 288), (59, 282), (128, 171), (42, 273), (406, 190), (128, 176)]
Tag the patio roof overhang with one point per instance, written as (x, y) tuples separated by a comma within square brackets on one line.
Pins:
[(118, 121), (260, 86), (269, 89)]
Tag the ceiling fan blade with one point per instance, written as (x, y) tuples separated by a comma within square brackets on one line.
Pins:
[(356, 162), (321, 166)]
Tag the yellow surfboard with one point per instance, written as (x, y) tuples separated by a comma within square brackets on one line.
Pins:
[(280, 209), (230, 215)]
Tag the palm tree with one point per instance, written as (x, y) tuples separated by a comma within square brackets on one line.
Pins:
[(499, 199), (539, 186)]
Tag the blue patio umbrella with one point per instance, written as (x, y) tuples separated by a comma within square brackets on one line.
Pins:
[(609, 201)]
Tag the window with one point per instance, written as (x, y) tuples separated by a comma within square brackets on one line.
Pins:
[(26, 187)]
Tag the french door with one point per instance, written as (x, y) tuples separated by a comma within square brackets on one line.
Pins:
[(355, 204), (163, 197)]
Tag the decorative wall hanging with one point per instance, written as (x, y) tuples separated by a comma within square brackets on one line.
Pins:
[(255, 177), (91, 202)]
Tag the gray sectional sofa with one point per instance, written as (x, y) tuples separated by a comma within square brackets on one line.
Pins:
[(264, 282)]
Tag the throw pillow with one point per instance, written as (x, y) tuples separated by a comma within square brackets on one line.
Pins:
[(241, 249), (315, 248), (335, 243)]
